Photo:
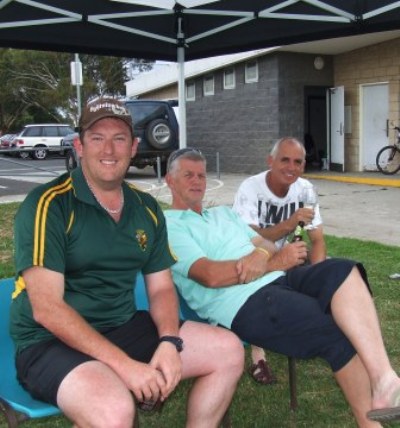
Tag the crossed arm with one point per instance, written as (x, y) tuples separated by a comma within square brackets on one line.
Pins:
[(215, 273)]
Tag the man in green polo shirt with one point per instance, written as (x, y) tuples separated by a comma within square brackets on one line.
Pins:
[(80, 242)]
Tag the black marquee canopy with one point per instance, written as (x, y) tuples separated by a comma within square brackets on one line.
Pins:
[(153, 29), (185, 29)]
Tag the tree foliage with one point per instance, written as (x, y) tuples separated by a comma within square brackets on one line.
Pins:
[(36, 86)]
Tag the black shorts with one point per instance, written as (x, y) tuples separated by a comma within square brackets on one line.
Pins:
[(42, 367), (292, 315)]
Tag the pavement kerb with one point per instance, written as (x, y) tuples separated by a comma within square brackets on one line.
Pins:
[(357, 180)]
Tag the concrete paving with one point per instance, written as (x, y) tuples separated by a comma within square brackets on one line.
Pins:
[(356, 205)]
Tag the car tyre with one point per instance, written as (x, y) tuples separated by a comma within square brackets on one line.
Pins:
[(24, 155), (40, 153), (159, 134), (70, 161)]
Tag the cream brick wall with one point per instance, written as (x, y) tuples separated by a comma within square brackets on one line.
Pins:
[(167, 93), (373, 64)]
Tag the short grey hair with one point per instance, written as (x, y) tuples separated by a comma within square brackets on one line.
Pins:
[(277, 145), (185, 153)]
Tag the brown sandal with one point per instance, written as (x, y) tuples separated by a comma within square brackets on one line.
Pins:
[(262, 373)]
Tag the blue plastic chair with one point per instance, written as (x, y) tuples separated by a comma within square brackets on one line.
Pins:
[(15, 403)]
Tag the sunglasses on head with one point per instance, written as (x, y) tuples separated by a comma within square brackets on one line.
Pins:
[(178, 153)]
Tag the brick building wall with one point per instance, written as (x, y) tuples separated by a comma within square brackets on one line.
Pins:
[(373, 64), (241, 124)]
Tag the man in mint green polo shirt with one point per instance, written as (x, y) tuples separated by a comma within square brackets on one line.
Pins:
[(80, 242), (232, 276)]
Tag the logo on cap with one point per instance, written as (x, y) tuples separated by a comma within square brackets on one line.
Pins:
[(114, 108)]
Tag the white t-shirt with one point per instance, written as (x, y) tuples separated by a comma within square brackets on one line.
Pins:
[(258, 206)]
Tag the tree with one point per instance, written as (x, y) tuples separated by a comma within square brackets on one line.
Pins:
[(36, 86)]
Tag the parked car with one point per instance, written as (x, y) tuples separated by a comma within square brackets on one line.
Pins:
[(5, 141), (38, 139), (156, 127), (67, 143)]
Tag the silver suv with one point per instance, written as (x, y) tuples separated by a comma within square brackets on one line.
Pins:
[(38, 139)]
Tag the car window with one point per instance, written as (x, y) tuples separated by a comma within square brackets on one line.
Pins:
[(143, 113), (64, 130), (50, 131), (33, 131)]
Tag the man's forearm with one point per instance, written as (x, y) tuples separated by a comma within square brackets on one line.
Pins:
[(317, 252), (164, 309), (275, 232)]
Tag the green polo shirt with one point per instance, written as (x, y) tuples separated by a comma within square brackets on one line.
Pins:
[(60, 226)]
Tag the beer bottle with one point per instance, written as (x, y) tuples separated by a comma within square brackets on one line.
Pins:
[(298, 232)]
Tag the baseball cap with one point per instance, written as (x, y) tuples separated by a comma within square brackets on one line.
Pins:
[(102, 108)]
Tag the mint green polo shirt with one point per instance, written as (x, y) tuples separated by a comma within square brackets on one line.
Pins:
[(60, 226), (217, 234)]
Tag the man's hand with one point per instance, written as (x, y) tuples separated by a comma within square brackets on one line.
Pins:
[(305, 215), (291, 255), (145, 381), (252, 266), (167, 361)]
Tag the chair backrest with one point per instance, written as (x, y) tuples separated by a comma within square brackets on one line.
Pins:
[(142, 302), (10, 390)]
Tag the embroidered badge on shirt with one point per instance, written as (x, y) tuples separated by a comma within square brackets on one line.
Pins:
[(142, 239)]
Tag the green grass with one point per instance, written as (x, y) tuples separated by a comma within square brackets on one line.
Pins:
[(321, 403)]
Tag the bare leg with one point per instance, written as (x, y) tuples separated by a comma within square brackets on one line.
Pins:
[(92, 395), (216, 357), (354, 312), (354, 382)]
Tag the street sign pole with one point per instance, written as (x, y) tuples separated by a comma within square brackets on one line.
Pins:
[(77, 80)]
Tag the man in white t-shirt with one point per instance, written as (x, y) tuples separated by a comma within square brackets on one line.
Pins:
[(271, 202)]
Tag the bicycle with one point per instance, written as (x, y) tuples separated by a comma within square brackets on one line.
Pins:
[(388, 157)]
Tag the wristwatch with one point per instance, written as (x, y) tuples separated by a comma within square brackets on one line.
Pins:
[(175, 340)]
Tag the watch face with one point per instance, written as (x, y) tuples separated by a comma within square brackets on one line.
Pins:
[(179, 344), (176, 340)]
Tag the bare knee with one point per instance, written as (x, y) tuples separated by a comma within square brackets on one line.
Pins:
[(233, 352), (117, 415), (112, 414), (93, 395), (211, 350), (230, 353)]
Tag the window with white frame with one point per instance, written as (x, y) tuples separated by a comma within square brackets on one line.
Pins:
[(229, 78), (208, 85), (251, 71), (190, 91)]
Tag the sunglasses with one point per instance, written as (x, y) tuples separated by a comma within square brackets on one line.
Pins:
[(178, 153)]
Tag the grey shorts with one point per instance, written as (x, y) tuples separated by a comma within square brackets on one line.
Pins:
[(292, 315), (42, 367)]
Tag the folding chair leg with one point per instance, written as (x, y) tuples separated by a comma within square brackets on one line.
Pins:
[(292, 383), (13, 417)]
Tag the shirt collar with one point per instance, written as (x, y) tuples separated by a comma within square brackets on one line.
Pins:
[(181, 214), (81, 188)]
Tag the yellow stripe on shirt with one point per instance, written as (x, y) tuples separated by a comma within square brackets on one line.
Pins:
[(41, 218)]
